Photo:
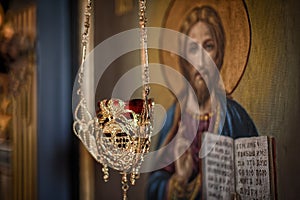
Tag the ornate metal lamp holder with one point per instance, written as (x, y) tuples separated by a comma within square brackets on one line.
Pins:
[(119, 135)]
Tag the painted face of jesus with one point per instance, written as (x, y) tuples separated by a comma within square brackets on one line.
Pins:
[(199, 51)]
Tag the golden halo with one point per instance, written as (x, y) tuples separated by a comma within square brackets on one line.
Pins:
[(236, 25)]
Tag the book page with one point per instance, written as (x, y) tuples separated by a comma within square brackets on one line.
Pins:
[(252, 168), (217, 167)]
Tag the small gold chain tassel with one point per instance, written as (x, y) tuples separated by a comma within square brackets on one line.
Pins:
[(125, 185), (105, 173)]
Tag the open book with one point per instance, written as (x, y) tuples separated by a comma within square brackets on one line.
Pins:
[(238, 169)]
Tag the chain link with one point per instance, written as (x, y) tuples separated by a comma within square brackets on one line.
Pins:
[(144, 48), (86, 24), (84, 43)]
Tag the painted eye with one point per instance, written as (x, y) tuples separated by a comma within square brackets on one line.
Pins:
[(209, 45), (193, 48)]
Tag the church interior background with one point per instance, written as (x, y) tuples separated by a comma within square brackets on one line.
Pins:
[(40, 158)]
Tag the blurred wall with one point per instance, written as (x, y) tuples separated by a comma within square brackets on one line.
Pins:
[(57, 155)]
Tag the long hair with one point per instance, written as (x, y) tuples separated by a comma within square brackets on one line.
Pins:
[(209, 16)]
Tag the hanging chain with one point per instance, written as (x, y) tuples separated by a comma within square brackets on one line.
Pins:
[(144, 48), (143, 44), (125, 185), (84, 42), (85, 35)]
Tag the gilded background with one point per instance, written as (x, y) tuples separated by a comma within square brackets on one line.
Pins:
[(270, 89)]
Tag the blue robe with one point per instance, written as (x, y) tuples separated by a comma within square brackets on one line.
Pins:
[(237, 124)]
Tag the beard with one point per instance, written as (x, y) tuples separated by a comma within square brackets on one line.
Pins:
[(197, 82), (201, 91)]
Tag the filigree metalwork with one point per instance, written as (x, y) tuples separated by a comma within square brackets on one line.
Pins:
[(119, 135)]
